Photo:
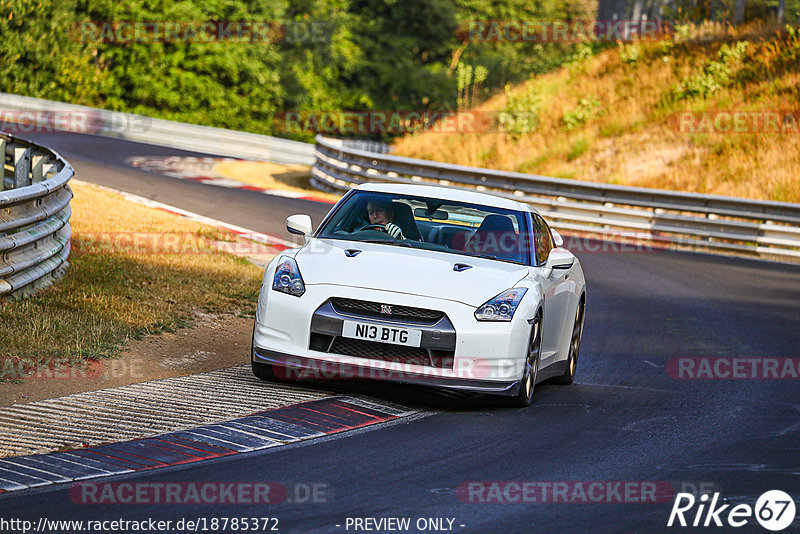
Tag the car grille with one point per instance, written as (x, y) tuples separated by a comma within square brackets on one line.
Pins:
[(365, 308), (370, 350), (380, 351)]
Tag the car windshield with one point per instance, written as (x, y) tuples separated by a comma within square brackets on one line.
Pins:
[(432, 224)]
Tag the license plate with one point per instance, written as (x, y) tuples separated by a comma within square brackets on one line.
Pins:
[(382, 334)]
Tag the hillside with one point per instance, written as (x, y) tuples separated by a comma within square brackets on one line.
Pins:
[(712, 110)]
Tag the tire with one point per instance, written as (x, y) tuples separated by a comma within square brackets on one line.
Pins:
[(525, 395), (574, 348)]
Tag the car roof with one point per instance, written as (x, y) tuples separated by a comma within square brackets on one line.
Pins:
[(448, 193)]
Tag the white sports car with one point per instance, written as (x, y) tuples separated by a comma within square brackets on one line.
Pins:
[(423, 284)]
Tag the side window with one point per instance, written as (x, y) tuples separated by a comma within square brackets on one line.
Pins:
[(547, 237), (544, 240)]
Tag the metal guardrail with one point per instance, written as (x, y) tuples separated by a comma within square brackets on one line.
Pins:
[(160, 132), (708, 222), (34, 217)]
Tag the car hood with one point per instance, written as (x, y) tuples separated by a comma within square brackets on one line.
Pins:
[(406, 270)]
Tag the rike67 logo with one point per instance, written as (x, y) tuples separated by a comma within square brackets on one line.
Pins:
[(774, 510)]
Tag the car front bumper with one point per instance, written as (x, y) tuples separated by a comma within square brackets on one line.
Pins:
[(486, 356), (301, 368)]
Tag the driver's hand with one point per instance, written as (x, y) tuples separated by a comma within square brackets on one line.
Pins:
[(394, 231)]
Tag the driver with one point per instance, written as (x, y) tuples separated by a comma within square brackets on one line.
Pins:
[(380, 212)]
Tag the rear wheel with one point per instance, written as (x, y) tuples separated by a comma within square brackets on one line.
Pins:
[(526, 387), (574, 348)]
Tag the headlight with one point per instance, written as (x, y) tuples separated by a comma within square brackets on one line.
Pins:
[(287, 278), (501, 307)]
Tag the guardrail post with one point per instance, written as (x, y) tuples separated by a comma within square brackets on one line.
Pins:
[(3, 179), (37, 168), (22, 167), (3, 163)]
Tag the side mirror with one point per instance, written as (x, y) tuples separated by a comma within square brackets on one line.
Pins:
[(558, 260), (299, 225), (557, 239)]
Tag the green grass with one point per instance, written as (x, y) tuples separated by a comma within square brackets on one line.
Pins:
[(111, 294), (579, 148)]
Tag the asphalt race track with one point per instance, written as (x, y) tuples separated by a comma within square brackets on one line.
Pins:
[(101, 160), (625, 419)]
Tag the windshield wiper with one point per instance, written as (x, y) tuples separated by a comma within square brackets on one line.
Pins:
[(493, 257), (387, 242)]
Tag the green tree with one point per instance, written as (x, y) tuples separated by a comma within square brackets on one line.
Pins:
[(405, 47), (41, 58), (231, 84)]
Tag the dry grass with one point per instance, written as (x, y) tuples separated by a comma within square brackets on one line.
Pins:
[(112, 293), (271, 176), (630, 138)]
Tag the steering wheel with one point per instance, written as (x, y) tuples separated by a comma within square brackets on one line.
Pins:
[(374, 227)]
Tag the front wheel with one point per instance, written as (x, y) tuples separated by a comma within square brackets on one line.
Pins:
[(574, 348), (526, 387)]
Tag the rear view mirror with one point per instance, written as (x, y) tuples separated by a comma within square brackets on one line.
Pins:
[(557, 239), (438, 215), (299, 225), (558, 260)]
